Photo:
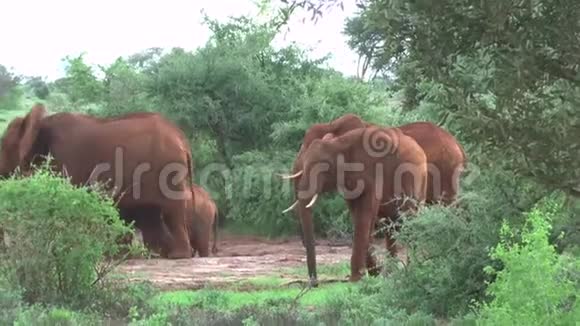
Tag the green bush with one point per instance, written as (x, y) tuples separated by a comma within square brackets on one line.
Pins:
[(257, 196), (59, 236), (448, 247), (532, 288)]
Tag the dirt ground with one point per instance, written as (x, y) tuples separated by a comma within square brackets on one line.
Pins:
[(239, 258)]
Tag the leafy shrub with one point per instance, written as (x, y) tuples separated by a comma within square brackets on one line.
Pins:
[(448, 247), (532, 288), (36, 315), (59, 237), (257, 196), (10, 302)]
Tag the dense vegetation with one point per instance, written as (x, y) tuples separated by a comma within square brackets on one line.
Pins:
[(501, 76)]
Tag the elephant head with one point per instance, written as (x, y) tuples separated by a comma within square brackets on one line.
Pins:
[(318, 131), (18, 141)]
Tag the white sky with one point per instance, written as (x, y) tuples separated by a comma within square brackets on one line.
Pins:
[(37, 34)]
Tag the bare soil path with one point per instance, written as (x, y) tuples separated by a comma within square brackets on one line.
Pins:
[(239, 258)]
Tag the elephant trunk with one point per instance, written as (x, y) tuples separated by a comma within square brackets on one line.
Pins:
[(308, 241)]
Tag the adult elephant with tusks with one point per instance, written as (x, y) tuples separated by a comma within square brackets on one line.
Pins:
[(446, 159), (376, 169), (142, 157)]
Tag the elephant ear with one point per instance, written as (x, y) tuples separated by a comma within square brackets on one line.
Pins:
[(29, 131)]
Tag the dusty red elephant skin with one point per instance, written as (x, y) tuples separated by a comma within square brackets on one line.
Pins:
[(378, 178), (148, 157), (446, 158), (202, 221)]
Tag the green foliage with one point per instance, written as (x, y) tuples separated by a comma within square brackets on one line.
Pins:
[(326, 98), (221, 90), (11, 100), (448, 247), (39, 87), (504, 73), (8, 81), (124, 89), (532, 288), (37, 315), (80, 84), (501, 76), (257, 196), (234, 88), (60, 238)]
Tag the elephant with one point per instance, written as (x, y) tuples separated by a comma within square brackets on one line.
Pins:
[(137, 152), (149, 221), (202, 221), (446, 159), (383, 165), (445, 155)]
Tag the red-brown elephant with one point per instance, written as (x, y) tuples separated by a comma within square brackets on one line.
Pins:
[(145, 157), (382, 165), (445, 156), (203, 221)]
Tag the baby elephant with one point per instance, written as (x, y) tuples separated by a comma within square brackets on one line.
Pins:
[(203, 218)]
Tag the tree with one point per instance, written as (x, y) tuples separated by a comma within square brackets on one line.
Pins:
[(501, 72), (234, 88), (8, 81), (10, 93), (80, 83), (39, 87), (124, 88)]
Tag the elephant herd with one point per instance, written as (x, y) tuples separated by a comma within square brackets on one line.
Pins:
[(390, 169), (145, 156), (380, 171)]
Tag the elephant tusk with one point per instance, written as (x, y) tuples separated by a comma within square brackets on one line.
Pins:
[(292, 176), (290, 208), (312, 201)]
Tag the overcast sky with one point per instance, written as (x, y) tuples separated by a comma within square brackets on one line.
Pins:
[(37, 34)]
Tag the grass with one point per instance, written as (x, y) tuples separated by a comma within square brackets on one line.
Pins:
[(231, 300), (257, 292)]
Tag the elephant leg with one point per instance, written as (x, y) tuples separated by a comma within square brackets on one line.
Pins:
[(152, 236), (179, 246), (200, 239), (203, 244), (148, 221), (199, 236), (363, 212)]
